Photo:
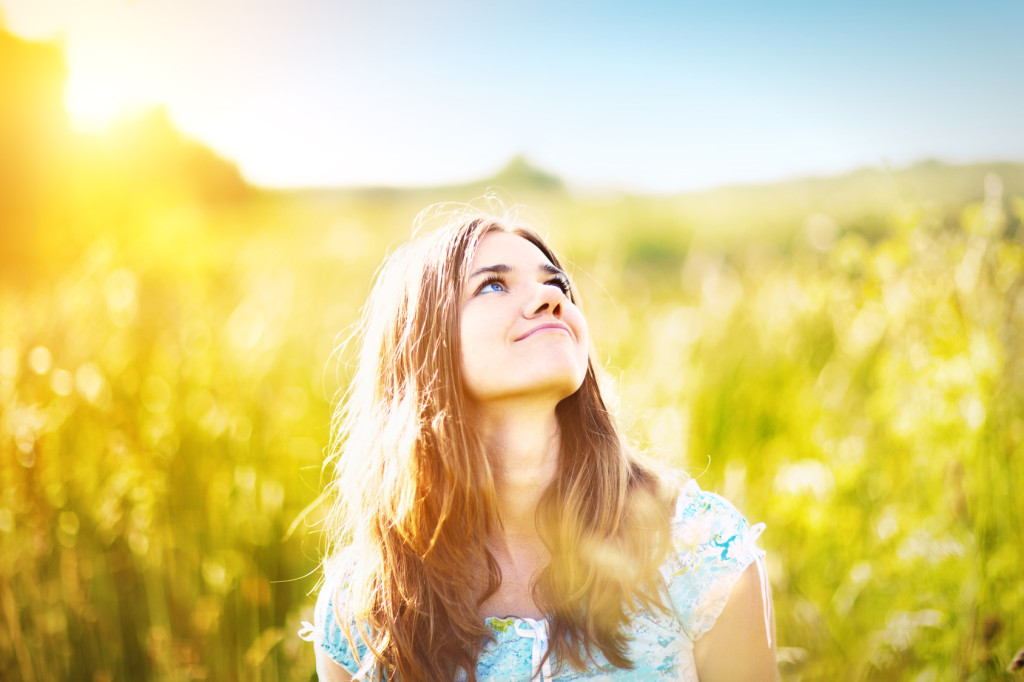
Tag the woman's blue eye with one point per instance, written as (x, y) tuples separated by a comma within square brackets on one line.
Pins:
[(490, 286)]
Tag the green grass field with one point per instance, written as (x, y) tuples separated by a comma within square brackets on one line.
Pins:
[(841, 358)]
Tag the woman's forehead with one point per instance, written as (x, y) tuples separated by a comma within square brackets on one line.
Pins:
[(507, 248)]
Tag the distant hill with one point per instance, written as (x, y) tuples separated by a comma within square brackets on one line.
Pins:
[(864, 199), (520, 174), (932, 181), (519, 179)]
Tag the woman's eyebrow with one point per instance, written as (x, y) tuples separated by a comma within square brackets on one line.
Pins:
[(552, 270), (500, 269), (503, 269)]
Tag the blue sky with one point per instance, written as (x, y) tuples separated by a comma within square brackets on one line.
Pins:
[(646, 96)]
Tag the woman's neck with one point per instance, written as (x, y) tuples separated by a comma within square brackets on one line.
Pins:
[(522, 446)]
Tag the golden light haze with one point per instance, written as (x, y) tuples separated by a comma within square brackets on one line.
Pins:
[(645, 97), (103, 86), (841, 356)]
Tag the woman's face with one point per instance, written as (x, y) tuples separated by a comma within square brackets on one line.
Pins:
[(522, 338)]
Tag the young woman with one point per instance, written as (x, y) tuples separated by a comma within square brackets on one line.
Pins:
[(488, 520)]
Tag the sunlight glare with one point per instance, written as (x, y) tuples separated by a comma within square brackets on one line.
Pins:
[(93, 105), (107, 79)]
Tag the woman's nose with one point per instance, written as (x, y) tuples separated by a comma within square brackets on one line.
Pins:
[(546, 298)]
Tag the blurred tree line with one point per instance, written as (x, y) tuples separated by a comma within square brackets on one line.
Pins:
[(52, 177)]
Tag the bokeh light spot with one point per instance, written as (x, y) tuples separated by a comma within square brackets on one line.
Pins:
[(40, 359), (62, 382), (120, 292), (89, 381), (8, 363)]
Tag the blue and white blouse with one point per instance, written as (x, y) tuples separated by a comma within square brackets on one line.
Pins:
[(712, 546)]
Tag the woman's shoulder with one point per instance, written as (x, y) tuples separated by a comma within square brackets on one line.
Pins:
[(712, 545), (699, 514), (342, 644)]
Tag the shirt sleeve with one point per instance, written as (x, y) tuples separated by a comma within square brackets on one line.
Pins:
[(712, 546), (326, 632)]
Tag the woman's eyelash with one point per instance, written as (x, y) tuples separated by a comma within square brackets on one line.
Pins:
[(489, 281), (562, 283)]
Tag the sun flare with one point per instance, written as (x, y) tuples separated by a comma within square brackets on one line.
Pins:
[(104, 83), (94, 104)]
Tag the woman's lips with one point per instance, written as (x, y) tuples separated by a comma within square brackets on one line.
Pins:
[(550, 326)]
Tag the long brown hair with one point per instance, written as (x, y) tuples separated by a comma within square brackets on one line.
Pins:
[(414, 495)]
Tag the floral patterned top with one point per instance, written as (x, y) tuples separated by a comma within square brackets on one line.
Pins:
[(712, 546)]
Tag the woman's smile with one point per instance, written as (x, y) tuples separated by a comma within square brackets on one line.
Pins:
[(515, 294), (550, 327)]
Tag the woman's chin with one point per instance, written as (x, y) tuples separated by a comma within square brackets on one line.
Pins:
[(551, 389)]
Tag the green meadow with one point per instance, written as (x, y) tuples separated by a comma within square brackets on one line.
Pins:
[(840, 357)]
